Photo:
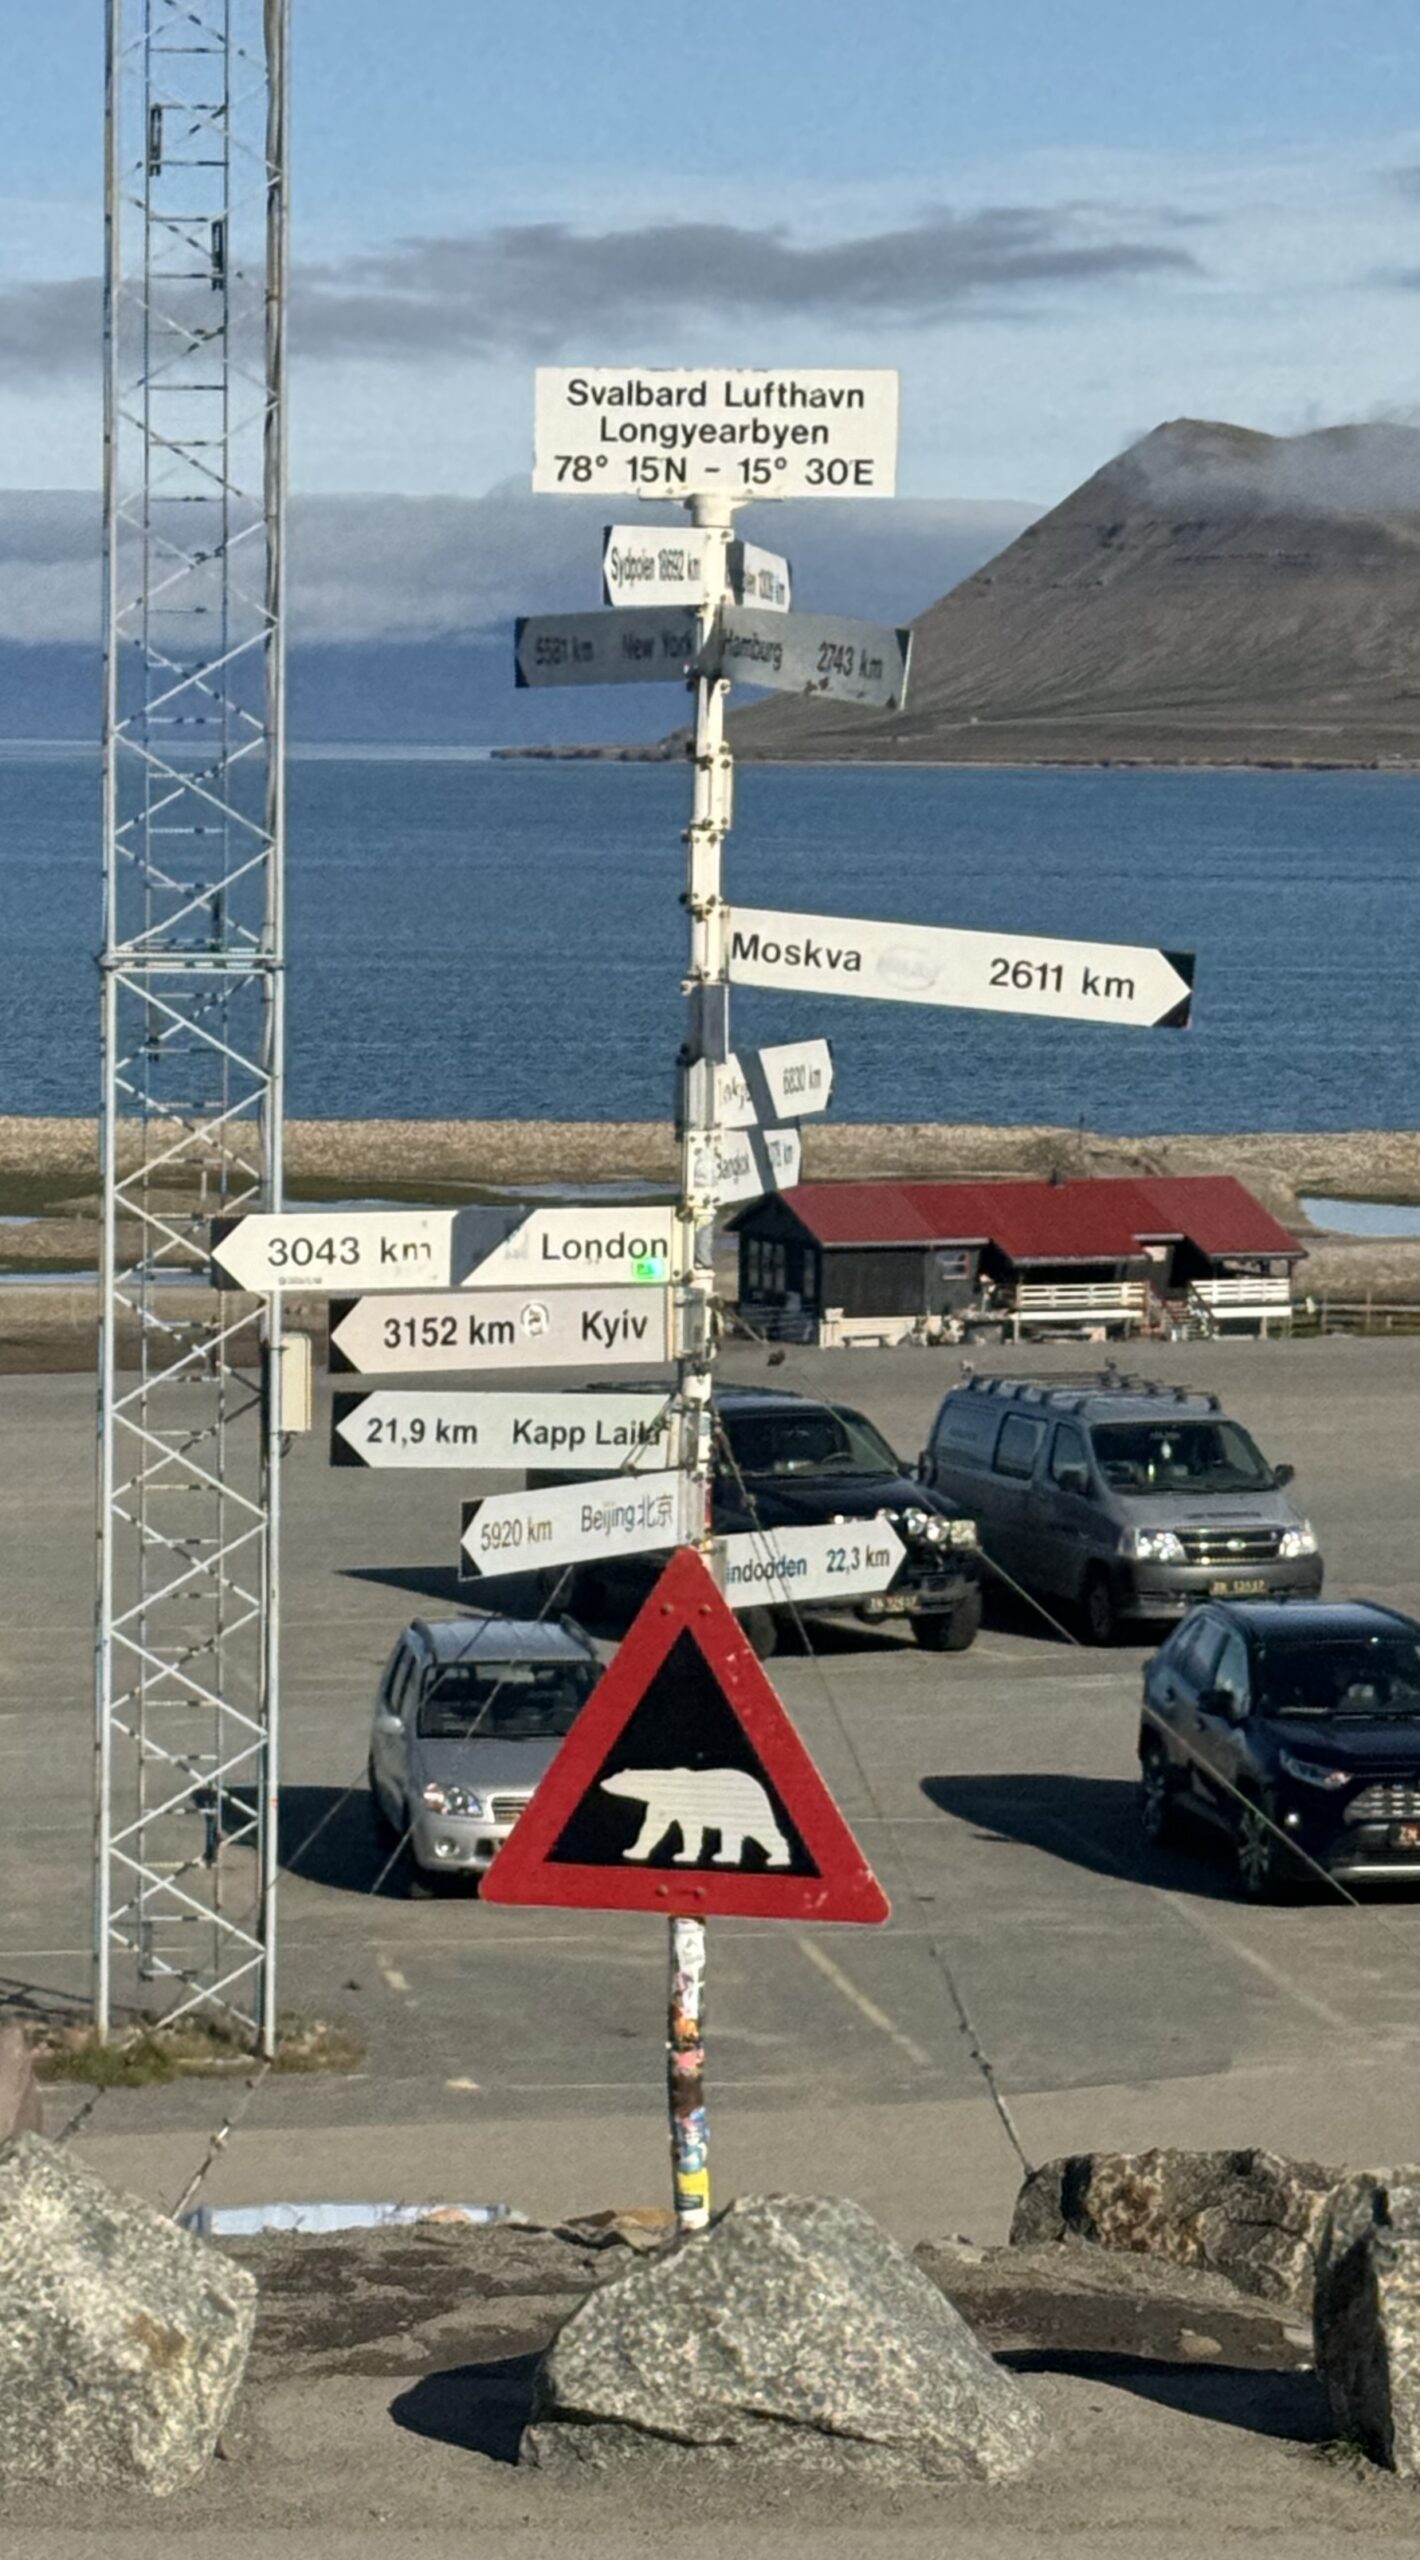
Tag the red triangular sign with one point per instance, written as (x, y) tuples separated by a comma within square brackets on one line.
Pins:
[(683, 1787)]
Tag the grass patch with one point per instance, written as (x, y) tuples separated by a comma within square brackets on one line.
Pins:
[(1345, 2453), (150, 2055)]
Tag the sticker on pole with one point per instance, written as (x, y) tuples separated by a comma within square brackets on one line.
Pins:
[(683, 1787)]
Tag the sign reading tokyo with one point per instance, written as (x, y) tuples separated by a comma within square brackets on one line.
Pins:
[(801, 432), (1116, 982)]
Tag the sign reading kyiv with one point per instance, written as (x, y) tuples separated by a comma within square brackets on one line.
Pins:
[(453, 1427), (572, 1523), (507, 1329), (663, 564), (983, 972), (800, 432)]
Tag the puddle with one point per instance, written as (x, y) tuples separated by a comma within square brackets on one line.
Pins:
[(1362, 1217)]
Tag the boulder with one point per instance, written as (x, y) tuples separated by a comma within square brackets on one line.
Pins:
[(793, 2331), (1112, 2305), (21, 2106), (1366, 2318), (1246, 2215), (122, 2338)]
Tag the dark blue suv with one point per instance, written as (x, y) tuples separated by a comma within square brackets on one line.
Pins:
[(1289, 1722)]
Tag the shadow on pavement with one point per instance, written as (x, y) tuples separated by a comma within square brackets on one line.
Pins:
[(330, 1836), (481, 2408), (1289, 2406), (1091, 1823), (424, 1581)]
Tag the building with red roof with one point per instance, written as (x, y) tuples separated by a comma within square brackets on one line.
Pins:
[(901, 1253)]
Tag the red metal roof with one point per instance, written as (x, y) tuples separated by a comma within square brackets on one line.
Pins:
[(1086, 1221)]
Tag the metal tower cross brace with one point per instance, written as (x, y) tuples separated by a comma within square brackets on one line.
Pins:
[(192, 959)]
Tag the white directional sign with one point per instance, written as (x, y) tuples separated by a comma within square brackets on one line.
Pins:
[(983, 972), (432, 1427), (504, 1329), (808, 653), (829, 1560), (748, 1162), (653, 645), (323, 1250), (783, 1083), (661, 564), (568, 1248), (573, 1523), (799, 432)]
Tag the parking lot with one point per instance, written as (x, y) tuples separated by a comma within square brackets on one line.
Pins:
[(1118, 1996)]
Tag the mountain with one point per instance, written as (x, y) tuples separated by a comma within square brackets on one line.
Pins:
[(1212, 596)]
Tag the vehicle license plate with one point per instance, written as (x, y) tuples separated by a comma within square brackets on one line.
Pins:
[(898, 1603), (1405, 1835), (1233, 1589)]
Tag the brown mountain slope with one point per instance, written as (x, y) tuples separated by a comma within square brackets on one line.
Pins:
[(1212, 596)]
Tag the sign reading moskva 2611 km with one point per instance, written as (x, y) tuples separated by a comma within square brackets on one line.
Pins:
[(798, 432), (942, 964)]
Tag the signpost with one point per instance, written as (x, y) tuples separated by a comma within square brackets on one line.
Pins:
[(454, 1427), (827, 1560), (652, 645), (326, 1250), (800, 432), (745, 1163), (760, 1086), (807, 653), (572, 1248), (574, 1523), (660, 564), (1115, 982), (506, 1329)]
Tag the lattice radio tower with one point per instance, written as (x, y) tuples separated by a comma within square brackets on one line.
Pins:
[(194, 718)]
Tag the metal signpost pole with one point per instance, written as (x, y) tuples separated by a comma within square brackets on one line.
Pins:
[(706, 1049)]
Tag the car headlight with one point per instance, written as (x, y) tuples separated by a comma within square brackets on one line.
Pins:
[(452, 1799), (1153, 1546), (1300, 1541), (928, 1525), (961, 1533), (1312, 1772)]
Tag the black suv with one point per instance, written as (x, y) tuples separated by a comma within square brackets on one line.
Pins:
[(1289, 1721), (784, 1461)]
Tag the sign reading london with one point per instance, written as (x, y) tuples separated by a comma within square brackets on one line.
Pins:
[(804, 432), (1116, 982)]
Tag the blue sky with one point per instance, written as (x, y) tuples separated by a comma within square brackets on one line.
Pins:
[(1063, 220)]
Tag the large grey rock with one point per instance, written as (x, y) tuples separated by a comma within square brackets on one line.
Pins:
[(793, 2330), (1247, 2215), (1112, 2304), (21, 2106), (122, 2339), (1366, 2317)]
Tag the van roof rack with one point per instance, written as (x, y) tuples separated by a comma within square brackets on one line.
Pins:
[(1069, 1389)]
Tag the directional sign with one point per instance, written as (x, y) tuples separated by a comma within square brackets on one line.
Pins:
[(803, 432), (567, 1248), (747, 1163), (662, 564), (449, 1427), (653, 645), (829, 1560), (683, 1786), (575, 1523), (807, 653), (506, 1329), (984, 972), (784, 1083), (319, 1250)]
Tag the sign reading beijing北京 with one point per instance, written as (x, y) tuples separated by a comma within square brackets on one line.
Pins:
[(981, 972), (795, 432), (559, 1524)]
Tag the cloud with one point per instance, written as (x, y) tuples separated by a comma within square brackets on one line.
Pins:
[(537, 289), (1371, 467), (407, 569)]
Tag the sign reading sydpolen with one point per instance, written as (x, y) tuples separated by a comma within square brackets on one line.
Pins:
[(500, 1329), (797, 432), (571, 1523), (941, 964), (660, 564)]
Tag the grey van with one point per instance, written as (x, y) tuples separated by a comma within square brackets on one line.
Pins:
[(1122, 1498)]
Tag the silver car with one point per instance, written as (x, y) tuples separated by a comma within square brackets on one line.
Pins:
[(469, 1714)]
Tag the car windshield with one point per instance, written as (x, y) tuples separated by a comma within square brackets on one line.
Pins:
[(1180, 1457), (1341, 1676), (505, 1701), (807, 1440)]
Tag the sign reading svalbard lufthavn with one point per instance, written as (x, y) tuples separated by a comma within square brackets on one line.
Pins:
[(796, 432), (1115, 982)]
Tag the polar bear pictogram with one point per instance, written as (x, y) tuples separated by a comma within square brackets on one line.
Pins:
[(694, 1802)]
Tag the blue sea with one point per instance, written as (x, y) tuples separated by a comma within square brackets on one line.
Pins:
[(478, 940)]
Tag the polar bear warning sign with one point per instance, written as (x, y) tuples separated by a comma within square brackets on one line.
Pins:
[(683, 1787)]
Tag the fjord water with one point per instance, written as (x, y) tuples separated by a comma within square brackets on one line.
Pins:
[(476, 940)]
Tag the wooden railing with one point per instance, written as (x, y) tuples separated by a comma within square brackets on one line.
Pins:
[(1245, 1300), (1110, 1304)]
